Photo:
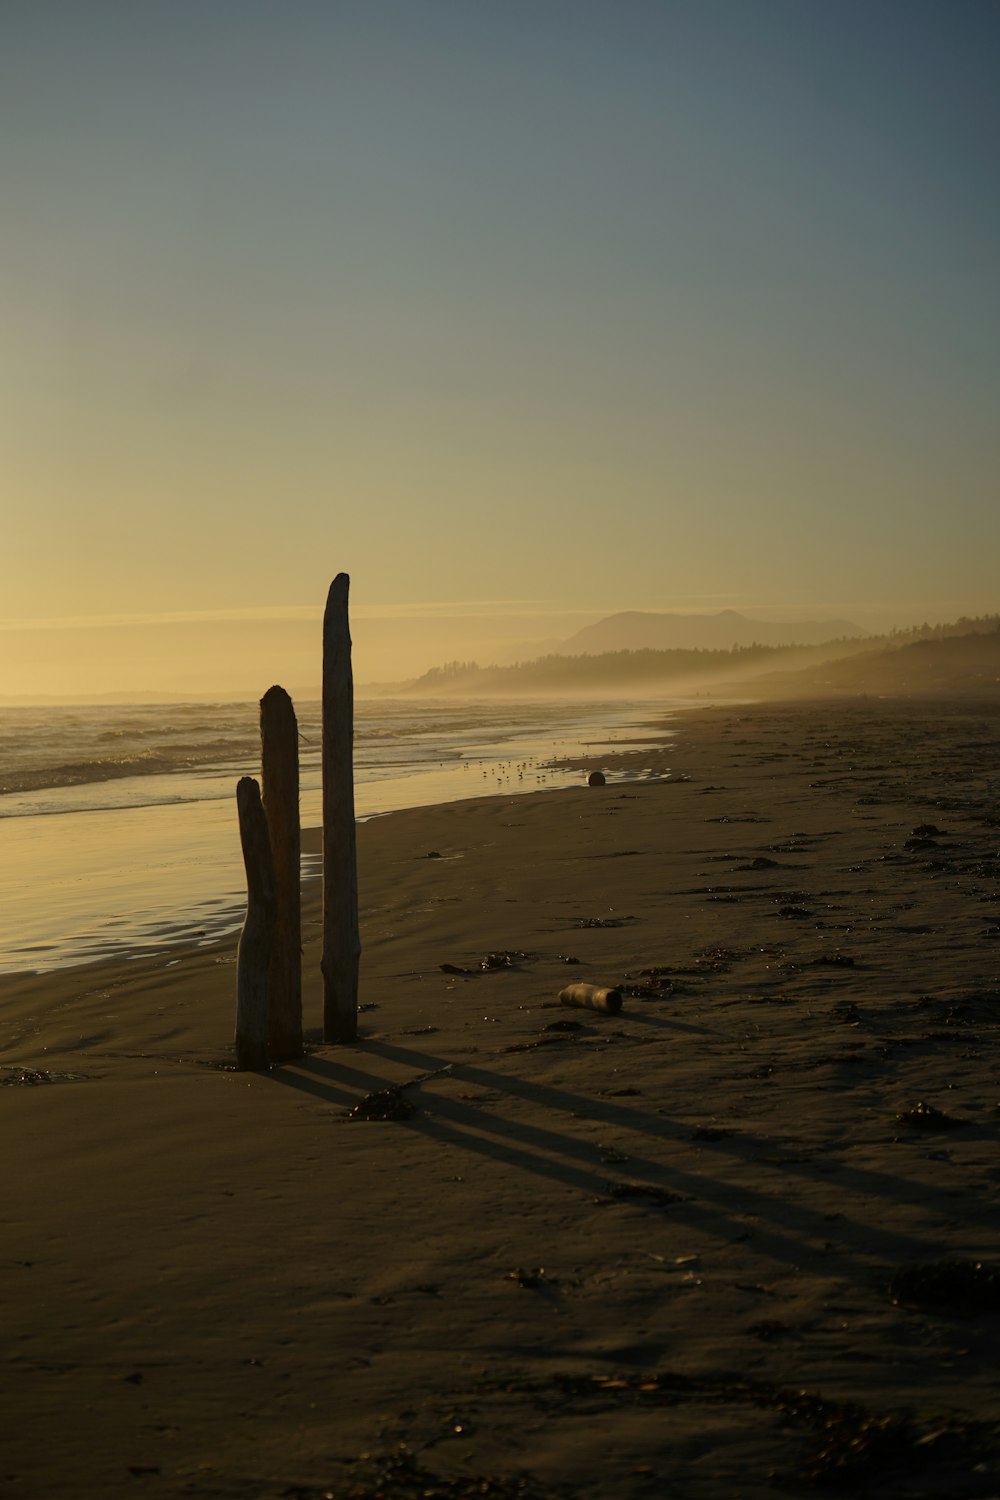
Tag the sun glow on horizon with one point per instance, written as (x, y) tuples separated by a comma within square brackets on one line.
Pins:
[(709, 319)]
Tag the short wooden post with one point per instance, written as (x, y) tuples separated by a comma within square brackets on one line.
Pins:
[(341, 938), (279, 746), (256, 939)]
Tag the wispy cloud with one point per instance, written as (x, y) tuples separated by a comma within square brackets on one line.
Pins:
[(174, 617), (451, 610), (487, 611)]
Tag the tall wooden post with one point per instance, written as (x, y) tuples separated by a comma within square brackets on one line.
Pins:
[(256, 940), (341, 938), (279, 746)]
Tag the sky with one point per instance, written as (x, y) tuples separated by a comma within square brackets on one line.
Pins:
[(519, 313)]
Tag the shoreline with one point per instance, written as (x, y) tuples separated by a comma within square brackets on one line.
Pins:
[(600, 1248), (126, 878), (182, 942)]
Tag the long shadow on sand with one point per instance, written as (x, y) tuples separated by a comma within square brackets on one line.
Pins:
[(778, 1221)]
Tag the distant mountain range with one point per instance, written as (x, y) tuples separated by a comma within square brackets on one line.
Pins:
[(646, 630), (965, 654)]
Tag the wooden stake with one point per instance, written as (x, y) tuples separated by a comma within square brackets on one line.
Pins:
[(341, 939), (256, 939), (279, 745)]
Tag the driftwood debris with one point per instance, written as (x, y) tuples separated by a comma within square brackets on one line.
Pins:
[(592, 997), (257, 938), (341, 939), (279, 741)]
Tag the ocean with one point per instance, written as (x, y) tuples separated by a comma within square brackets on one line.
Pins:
[(118, 829)]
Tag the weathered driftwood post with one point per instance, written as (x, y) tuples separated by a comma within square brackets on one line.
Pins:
[(279, 748), (341, 939), (256, 939)]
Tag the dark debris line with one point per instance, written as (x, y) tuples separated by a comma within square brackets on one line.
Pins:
[(962, 1287), (399, 1476), (852, 1444), (14, 1077)]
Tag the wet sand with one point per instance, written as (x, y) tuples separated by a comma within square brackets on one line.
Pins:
[(623, 1256)]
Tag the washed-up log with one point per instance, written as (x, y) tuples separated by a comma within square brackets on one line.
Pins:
[(341, 939), (592, 997), (257, 938), (279, 743)]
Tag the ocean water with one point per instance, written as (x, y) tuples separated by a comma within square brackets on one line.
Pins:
[(118, 829)]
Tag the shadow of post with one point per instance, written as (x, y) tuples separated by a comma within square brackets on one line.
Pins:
[(781, 1224)]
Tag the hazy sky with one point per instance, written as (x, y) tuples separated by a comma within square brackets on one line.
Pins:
[(552, 305)]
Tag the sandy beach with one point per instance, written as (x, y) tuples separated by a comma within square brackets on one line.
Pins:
[(625, 1256)]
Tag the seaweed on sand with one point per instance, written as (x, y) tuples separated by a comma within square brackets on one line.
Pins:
[(644, 1192), (383, 1104), (925, 1117), (964, 1287), (18, 1077), (390, 1103), (583, 922), (506, 959)]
